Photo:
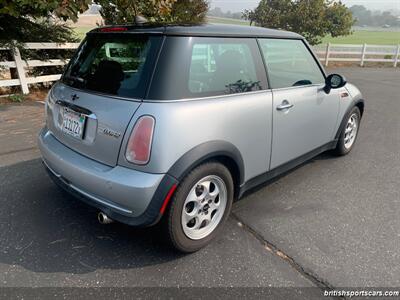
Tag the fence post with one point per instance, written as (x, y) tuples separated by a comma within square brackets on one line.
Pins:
[(20, 70), (363, 55), (396, 57), (328, 49)]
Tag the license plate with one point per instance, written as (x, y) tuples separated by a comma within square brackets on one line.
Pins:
[(73, 123)]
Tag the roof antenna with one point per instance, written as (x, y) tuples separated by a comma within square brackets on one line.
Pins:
[(139, 20)]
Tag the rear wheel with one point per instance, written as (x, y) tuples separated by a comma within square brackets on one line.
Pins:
[(200, 206), (349, 132)]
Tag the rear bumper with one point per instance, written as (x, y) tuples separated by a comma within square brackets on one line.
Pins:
[(125, 195)]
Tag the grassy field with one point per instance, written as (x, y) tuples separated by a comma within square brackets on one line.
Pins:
[(81, 31), (360, 36), (217, 20), (368, 37)]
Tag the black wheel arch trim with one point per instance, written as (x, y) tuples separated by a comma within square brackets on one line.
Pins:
[(346, 115), (183, 166), (204, 152)]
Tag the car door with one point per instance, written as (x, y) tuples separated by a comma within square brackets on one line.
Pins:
[(304, 116)]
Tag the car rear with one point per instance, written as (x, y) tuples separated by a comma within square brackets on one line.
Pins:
[(88, 114)]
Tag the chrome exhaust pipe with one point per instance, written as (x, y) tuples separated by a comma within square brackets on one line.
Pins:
[(104, 219)]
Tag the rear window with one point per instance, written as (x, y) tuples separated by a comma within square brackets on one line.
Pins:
[(113, 64)]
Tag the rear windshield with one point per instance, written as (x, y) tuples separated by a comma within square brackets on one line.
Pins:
[(119, 65)]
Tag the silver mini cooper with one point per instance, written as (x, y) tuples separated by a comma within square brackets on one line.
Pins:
[(176, 122)]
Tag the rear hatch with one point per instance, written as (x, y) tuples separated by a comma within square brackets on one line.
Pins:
[(91, 107)]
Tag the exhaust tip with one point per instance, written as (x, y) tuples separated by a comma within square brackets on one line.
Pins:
[(104, 219)]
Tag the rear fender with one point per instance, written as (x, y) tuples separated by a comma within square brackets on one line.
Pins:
[(204, 152)]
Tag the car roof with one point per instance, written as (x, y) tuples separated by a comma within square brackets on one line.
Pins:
[(205, 30)]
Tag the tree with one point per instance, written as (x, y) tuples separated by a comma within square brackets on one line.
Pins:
[(340, 20), (362, 15), (125, 11), (189, 11), (313, 19), (27, 20), (158, 11), (36, 21), (365, 17), (268, 12)]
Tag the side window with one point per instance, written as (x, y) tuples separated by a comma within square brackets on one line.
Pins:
[(222, 66), (290, 63)]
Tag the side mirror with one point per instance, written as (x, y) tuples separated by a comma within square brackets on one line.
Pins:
[(334, 81)]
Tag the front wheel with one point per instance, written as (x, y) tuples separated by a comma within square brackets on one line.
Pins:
[(200, 206), (349, 132)]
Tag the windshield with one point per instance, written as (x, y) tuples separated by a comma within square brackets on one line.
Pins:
[(119, 65)]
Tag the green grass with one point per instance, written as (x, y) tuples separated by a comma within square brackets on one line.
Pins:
[(81, 31), (217, 20), (367, 37)]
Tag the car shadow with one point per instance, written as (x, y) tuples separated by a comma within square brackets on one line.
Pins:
[(328, 155), (44, 229)]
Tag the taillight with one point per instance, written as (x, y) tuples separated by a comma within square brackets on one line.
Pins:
[(139, 144), (113, 29)]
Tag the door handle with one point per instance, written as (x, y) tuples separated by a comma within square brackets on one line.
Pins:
[(284, 105)]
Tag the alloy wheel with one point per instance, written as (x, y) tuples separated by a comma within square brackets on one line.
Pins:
[(204, 207), (351, 130)]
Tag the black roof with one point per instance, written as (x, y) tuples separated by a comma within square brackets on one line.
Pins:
[(222, 30)]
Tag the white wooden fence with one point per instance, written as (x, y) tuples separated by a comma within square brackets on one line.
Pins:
[(329, 53), (21, 65), (359, 53)]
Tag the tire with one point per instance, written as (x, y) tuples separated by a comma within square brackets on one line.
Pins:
[(346, 142), (200, 207)]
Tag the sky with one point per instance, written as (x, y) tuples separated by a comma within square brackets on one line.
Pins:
[(240, 5)]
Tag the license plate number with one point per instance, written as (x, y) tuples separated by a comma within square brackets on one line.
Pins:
[(73, 123)]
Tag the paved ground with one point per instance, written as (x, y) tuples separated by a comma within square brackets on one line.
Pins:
[(19, 126), (332, 222)]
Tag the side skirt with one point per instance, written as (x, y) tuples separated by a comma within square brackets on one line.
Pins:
[(265, 177)]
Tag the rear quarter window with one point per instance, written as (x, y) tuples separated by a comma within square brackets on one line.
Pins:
[(118, 65), (222, 68), (195, 67)]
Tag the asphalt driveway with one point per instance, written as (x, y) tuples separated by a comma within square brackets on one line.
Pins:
[(339, 217), (333, 222)]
